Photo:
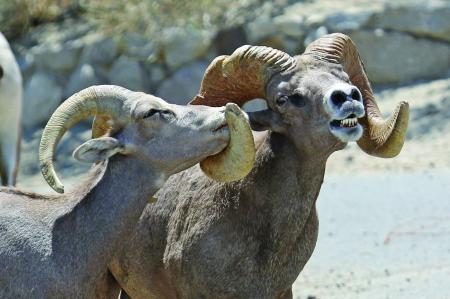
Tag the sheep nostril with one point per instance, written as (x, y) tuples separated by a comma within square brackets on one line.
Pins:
[(338, 97), (356, 95)]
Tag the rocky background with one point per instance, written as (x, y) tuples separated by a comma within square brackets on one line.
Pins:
[(405, 45), (401, 42)]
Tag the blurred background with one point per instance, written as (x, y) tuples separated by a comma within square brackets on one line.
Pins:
[(385, 224)]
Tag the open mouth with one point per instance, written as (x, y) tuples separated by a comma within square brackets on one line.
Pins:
[(347, 129), (350, 121)]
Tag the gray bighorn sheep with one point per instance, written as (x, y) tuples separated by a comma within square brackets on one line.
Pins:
[(59, 246), (251, 238), (10, 112)]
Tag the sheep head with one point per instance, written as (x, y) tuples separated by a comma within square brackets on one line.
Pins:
[(167, 137), (320, 100)]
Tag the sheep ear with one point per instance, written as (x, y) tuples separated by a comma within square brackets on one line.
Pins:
[(265, 120), (98, 149)]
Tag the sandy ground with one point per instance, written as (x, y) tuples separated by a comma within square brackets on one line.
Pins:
[(381, 236), (384, 223)]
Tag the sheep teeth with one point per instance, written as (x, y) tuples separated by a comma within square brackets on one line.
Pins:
[(349, 122)]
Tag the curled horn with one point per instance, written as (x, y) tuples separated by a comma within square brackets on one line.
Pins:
[(96, 100), (382, 137), (242, 76)]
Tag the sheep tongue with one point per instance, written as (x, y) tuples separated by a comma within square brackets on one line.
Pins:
[(236, 160)]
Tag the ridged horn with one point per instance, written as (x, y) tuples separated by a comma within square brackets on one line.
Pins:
[(95, 100), (242, 76), (101, 125), (382, 137)]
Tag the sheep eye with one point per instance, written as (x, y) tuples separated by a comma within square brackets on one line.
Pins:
[(1, 72), (281, 100), (167, 112), (297, 100), (161, 112), (150, 113)]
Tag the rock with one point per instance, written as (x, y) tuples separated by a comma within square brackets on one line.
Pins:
[(126, 72), (292, 46), (184, 84), (57, 57), (99, 50), (83, 77), (290, 25), (260, 28), (27, 65), (155, 73), (66, 165), (42, 96), (397, 57), (181, 46), (226, 41), (29, 158), (315, 34), (430, 19), (344, 21), (136, 46)]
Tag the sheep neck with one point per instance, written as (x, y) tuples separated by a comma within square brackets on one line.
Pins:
[(86, 236), (285, 185)]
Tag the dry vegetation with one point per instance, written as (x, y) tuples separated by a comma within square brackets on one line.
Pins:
[(18, 16), (147, 17)]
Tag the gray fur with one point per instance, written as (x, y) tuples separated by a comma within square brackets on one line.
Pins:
[(59, 246), (251, 238)]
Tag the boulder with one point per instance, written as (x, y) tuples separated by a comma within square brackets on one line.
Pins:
[(84, 76), (393, 57), (154, 73), (184, 84), (226, 41), (126, 72), (430, 19), (65, 163), (60, 57), (180, 46), (99, 50), (347, 21), (315, 34), (290, 25), (260, 28), (136, 46), (42, 96)]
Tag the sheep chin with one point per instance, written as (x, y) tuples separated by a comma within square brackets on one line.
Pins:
[(236, 160)]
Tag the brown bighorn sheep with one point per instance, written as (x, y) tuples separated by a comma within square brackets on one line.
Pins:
[(251, 238), (10, 112), (59, 246)]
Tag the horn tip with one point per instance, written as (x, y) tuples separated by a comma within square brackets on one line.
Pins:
[(50, 177), (59, 189)]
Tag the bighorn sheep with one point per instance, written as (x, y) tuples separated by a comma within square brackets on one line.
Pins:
[(251, 238), (10, 112), (59, 246)]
